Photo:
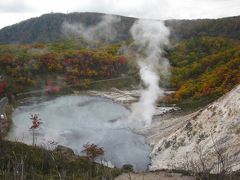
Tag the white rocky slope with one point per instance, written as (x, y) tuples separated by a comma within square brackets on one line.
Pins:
[(178, 139)]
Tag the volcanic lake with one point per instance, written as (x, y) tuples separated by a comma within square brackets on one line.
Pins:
[(73, 121)]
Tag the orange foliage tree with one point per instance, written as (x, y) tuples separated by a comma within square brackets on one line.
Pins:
[(92, 151)]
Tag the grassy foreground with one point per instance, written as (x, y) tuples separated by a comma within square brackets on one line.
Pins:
[(20, 161)]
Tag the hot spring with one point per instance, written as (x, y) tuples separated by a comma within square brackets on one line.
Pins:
[(73, 121)]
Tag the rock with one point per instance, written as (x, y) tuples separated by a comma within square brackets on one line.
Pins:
[(188, 127)]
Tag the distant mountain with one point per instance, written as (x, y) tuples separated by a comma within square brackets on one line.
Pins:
[(227, 27), (48, 27)]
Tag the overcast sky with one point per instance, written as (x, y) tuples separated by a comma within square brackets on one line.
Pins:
[(13, 11)]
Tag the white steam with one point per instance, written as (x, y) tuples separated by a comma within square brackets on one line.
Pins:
[(149, 38), (103, 30)]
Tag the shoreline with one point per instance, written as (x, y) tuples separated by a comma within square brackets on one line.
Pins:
[(91, 125), (6, 109), (123, 98)]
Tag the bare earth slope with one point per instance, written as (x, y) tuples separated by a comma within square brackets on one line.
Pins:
[(175, 140)]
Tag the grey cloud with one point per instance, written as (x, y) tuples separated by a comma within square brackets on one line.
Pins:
[(147, 9), (165, 9), (14, 7)]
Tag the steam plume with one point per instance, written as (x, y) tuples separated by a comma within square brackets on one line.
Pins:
[(103, 30), (149, 38)]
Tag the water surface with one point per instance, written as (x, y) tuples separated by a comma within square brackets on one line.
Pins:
[(73, 121)]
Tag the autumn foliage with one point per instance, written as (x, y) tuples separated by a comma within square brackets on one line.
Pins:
[(92, 151), (204, 66), (36, 121), (3, 86), (30, 67), (200, 67)]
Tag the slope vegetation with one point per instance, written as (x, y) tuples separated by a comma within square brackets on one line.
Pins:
[(204, 67)]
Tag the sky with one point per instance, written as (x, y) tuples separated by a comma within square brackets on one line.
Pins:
[(14, 11)]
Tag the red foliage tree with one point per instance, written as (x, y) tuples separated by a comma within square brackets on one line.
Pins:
[(122, 60), (3, 86), (36, 122)]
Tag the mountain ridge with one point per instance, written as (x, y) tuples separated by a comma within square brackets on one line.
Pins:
[(47, 27)]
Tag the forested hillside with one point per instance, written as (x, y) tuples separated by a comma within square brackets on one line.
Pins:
[(186, 29), (48, 27), (63, 63), (205, 66), (204, 56)]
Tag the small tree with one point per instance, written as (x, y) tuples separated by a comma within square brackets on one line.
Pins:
[(92, 151), (36, 122)]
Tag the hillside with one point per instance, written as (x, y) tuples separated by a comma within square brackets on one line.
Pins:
[(204, 66), (63, 64), (185, 29), (20, 161), (48, 27), (198, 137)]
